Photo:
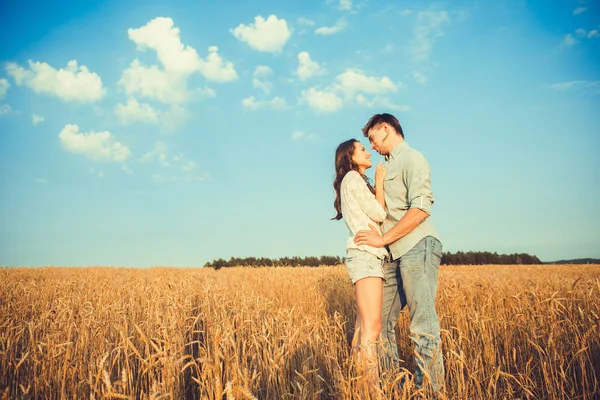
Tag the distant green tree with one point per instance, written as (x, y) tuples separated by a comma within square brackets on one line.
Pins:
[(485, 258)]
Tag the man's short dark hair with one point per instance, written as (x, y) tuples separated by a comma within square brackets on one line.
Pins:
[(378, 119)]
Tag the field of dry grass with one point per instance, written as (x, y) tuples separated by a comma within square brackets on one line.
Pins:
[(282, 333)]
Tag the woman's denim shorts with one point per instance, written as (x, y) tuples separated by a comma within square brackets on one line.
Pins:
[(362, 264)]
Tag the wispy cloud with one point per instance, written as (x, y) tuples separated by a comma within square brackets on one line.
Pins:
[(4, 86), (568, 40), (5, 109), (581, 34), (349, 5), (37, 119), (580, 85), (306, 21), (303, 136), (419, 77), (579, 10), (276, 103), (158, 153), (174, 118), (428, 29), (175, 168), (259, 78), (380, 103), (331, 30)]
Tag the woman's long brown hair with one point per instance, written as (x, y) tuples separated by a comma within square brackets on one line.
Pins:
[(343, 165)]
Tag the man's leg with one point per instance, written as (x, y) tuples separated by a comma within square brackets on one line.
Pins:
[(419, 271), (393, 302)]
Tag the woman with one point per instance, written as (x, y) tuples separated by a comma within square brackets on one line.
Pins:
[(362, 205)]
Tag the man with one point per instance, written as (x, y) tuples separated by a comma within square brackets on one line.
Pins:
[(411, 275)]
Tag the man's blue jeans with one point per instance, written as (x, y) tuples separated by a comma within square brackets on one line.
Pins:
[(412, 281)]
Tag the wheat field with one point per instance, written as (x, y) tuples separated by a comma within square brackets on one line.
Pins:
[(509, 332)]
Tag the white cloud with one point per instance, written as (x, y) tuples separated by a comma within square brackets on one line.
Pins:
[(593, 34), (37, 119), (579, 10), (100, 174), (169, 83), (308, 68), (5, 109), (321, 100), (419, 77), (268, 35), (99, 146), (349, 89), (135, 112), (74, 83), (580, 32), (379, 103), (353, 81), (41, 180), (406, 11), (330, 30), (299, 135), (160, 35), (427, 30), (156, 84), (305, 21), (214, 68), (261, 72), (127, 170), (276, 104), (4, 86), (569, 40)]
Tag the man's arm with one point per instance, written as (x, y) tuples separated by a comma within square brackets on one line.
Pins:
[(420, 200), (406, 225)]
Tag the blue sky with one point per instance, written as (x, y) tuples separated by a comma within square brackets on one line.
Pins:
[(146, 133)]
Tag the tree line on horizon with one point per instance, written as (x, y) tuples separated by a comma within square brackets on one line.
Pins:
[(448, 258)]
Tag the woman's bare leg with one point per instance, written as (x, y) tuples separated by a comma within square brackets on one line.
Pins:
[(369, 297)]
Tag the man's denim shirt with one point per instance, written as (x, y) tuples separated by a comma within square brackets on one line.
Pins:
[(407, 185)]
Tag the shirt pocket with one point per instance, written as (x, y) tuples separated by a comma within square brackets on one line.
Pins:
[(395, 190)]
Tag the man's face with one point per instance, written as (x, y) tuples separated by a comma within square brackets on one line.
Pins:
[(377, 136)]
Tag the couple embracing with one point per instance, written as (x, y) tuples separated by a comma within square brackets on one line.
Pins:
[(393, 252)]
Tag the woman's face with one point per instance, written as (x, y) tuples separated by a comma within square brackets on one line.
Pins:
[(361, 157)]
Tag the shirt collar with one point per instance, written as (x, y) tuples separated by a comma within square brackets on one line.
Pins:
[(397, 150)]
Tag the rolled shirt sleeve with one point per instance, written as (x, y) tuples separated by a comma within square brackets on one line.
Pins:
[(418, 182)]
